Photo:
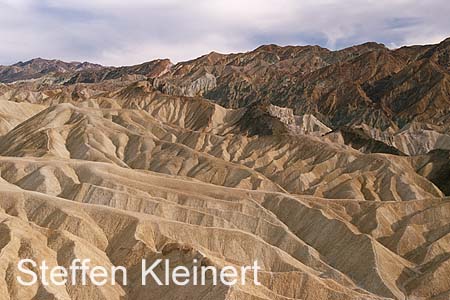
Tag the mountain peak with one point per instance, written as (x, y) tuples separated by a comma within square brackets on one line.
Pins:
[(38, 67)]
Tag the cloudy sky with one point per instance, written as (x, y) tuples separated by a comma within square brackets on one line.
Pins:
[(124, 32)]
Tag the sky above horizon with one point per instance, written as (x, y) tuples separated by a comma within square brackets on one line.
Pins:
[(119, 32)]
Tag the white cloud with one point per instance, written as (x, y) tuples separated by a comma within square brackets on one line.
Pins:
[(117, 32)]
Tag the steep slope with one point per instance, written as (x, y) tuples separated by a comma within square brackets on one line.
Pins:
[(435, 165), (12, 114)]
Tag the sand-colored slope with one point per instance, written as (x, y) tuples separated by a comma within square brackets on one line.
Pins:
[(298, 164), (154, 212), (12, 114)]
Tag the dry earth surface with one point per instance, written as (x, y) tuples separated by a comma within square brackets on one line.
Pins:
[(331, 168)]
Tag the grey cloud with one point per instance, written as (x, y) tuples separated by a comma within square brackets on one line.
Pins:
[(121, 32)]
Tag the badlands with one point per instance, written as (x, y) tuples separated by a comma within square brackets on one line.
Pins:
[(330, 168)]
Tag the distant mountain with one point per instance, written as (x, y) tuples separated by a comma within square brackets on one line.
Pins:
[(368, 83), (39, 67), (364, 84)]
